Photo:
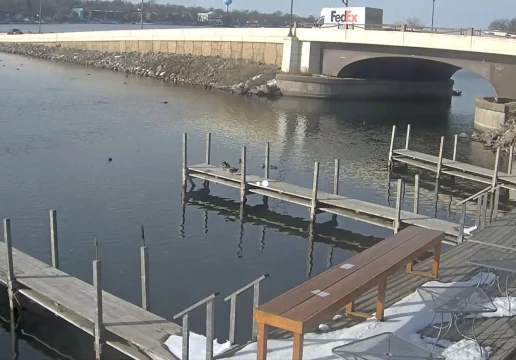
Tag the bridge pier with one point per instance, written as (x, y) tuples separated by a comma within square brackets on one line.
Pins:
[(301, 57)]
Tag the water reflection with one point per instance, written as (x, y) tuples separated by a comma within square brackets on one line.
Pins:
[(326, 232)]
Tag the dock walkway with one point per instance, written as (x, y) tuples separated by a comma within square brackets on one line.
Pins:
[(375, 214), (130, 329)]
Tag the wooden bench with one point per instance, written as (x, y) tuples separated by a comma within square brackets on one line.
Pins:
[(305, 307)]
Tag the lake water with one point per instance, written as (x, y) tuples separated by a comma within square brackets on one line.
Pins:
[(60, 123), (54, 28)]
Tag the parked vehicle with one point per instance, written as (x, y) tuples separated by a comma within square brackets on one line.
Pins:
[(15, 32)]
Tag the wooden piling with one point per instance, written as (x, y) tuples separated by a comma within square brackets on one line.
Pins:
[(144, 269), (496, 203), (313, 204), (10, 264), (336, 177), (407, 140), (455, 140), (416, 194), (99, 322), (478, 212), (54, 244), (440, 163), (397, 221), (185, 158), (495, 171), (243, 186), (267, 155), (208, 148), (389, 164)]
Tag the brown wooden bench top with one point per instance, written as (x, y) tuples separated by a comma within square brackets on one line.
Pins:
[(301, 309)]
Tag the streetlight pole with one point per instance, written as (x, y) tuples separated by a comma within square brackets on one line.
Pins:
[(141, 24), (291, 23), (39, 30), (433, 12)]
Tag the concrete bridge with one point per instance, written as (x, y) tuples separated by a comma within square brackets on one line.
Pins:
[(376, 55)]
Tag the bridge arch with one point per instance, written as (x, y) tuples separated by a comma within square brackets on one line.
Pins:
[(406, 68)]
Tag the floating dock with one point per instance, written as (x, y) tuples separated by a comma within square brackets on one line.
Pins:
[(452, 167), (313, 199)]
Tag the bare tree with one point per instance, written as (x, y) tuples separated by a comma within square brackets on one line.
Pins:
[(506, 25)]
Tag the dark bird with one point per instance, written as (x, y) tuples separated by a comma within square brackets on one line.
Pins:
[(17, 69), (239, 161), (273, 167), (224, 165), (165, 102), (125, 83), (88, 74), (232, 170), (263, 166), (109, 160)]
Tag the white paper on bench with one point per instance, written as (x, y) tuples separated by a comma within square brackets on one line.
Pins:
[(320, 293), (347, 266)]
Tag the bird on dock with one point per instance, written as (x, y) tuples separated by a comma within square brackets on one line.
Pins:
[(274, 167), (239, 161), (109, 160), (165, 102), (232, 170), (263, 166), (17, 69), (224, 165)]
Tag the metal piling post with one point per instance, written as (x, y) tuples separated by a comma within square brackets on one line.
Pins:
[(243, 186), (99, 322), (408, 137), (10, 264), (397, 221), (455, 140), (54, 244), (208, 148), (144, 268), (440, 163), (336, 177), (267, 156), (389, 163), (313, 204), (185, 158), (416, 194)]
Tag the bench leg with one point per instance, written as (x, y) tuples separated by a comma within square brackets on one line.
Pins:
[(350, 307), (350, 311), (261, 341), (380, 302), (297, 353), (410, 267), (436, 261)]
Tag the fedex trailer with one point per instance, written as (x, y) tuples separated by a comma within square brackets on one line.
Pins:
[(369, 17)]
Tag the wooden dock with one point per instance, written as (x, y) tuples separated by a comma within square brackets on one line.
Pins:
[(128, 328), (440, 165), (314, 199)]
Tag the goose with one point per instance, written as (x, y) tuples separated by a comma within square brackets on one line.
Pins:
[(274, 167), (109, 160), (232, 170)]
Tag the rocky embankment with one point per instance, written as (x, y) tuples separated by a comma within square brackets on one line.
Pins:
[(237, 76), (498, 139)]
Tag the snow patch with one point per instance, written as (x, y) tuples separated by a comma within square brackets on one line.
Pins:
[(502, 304), (197, 346), (324, 328)]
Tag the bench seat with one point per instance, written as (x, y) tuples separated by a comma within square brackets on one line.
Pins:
[(305, 307)]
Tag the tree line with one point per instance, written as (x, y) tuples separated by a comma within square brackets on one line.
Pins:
[(505, 25), (62, 9)]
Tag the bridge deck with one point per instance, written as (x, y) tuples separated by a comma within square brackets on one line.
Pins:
[(136, 332), (336, 204), (454, 168)]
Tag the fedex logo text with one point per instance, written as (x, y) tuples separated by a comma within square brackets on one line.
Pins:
[(347, 17)]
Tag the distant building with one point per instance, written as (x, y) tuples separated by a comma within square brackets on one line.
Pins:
[(209, 18), (81, 13)]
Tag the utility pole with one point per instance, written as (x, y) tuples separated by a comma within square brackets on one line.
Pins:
[(39, 30), (345, 2), (141, 24), (291, 23), (433, 12)]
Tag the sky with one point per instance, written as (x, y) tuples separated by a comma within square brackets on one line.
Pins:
[(448, 13)]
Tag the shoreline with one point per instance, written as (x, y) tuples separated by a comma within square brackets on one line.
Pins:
[(243, 77)]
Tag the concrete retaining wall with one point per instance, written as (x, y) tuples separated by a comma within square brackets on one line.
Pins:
[(319, 87), (491, 114), (265, 53)]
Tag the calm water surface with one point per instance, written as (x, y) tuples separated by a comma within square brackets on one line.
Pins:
[(60, 123)]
